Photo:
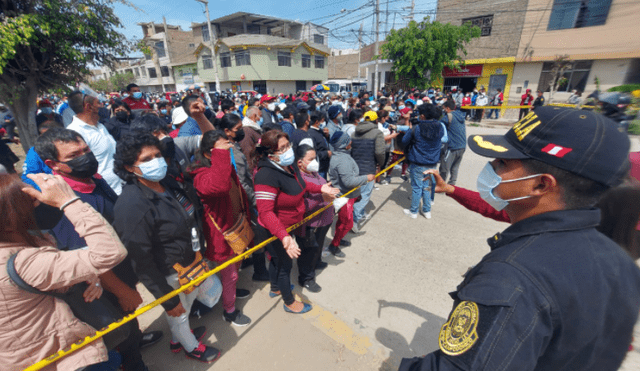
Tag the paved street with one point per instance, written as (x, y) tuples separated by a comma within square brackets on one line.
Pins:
[(386, 300)]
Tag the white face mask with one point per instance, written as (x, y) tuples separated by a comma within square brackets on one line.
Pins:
[(314, 166), (271, 107)]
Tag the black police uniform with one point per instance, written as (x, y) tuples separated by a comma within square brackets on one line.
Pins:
[(553, 294)]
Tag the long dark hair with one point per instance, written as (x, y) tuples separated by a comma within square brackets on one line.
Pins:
[(620, 208), (430, 129), (207, 143)]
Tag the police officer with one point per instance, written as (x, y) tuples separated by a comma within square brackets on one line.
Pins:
[(553, 293)]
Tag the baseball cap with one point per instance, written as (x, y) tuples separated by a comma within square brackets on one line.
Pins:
[(334, 111), (266, 98), (579, 141), (370, 116)]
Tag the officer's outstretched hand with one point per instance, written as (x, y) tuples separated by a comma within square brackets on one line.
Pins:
[(441, 185)]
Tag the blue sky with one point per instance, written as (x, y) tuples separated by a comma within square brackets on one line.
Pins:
[(344, 24)]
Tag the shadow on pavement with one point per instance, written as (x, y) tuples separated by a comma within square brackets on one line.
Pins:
[(425, 339)]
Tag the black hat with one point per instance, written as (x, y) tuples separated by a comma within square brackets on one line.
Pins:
[(582, 142)]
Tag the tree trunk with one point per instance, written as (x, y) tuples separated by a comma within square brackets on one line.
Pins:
[(24, 112)]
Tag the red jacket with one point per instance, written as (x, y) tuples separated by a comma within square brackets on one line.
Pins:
[(136, 103), (213, 185), (526, 100), (466, 101), (280, 197)]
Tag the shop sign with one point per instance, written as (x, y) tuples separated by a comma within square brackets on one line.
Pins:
[(466, 71)]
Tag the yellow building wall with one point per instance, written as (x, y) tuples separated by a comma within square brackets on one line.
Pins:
[(489, 69)]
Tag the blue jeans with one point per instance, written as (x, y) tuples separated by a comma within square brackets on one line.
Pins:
[(422, 189), (492, 111), (358, 207)]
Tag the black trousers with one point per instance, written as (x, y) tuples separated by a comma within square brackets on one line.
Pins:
[(523, 113), (130, 348), (279, 266), (311, 251)]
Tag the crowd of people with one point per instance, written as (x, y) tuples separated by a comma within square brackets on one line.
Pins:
[(159, 191)]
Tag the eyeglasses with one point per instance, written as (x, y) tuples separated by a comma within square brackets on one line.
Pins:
[(285, 149)]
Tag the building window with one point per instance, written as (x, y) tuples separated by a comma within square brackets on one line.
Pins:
[(484, 23), (191, 46), (578, 13), (164, 70), (159, 46), (147, 57), (319, 61), (225, 59), (301, 86), (260, 87), (207, 62), (306, 61), (243, 58), (143, 71), (205, 33), (253, 29), (137, 72), (318, 39), (152, 73), (284, 59), (212, 86), (575, 77)]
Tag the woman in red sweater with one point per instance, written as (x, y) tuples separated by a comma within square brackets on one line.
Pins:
[(224, 200), (280, 190)]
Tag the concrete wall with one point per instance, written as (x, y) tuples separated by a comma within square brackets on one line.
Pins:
[(506, 29), (524, 72), (264, 66), (617, 38)]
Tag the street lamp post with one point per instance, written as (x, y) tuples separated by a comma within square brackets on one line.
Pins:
[(213, 46)]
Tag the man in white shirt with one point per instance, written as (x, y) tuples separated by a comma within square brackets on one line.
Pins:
[(481, 100), (102, 144)]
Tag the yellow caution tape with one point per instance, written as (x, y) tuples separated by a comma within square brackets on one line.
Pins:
[(100, 333), (529, 107)]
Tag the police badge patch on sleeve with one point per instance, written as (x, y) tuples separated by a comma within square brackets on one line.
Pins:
[(459, 334)]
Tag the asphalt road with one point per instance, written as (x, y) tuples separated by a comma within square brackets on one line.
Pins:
[(386, 300)]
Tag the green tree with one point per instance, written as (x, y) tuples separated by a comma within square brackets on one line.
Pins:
[(421, 50), (101, 85), (49, 44), (119, 81)]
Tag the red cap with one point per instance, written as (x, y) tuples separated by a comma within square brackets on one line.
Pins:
[(405, 110), (528, 90), (44, 102), (266, 98)]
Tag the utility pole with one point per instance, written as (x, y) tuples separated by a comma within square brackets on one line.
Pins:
[(411, 14), (375, 53), (213, 45), (359, 49)]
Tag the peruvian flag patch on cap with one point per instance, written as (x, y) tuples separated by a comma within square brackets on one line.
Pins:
[(556, 150)]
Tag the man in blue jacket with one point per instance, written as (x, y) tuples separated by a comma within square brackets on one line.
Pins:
[(553, 293), (456, 129)]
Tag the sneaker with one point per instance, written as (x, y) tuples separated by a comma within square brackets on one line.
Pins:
[(365, 217), (325, 252), (404, 177), (242, 293), (408, 213), (312, 286), (426, 215), (335, 250), (198, 332), (386, 181), (320, 265), (150, 338), (236, 318), (305, 308), (375, 187), (345, 243), (355, 228), (204, 353), (433, 202)]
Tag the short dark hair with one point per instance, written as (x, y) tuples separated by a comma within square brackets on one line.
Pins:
[(316, 116), (227, 104), (186, 103), (577, 192), (46, 144), (429, 111), (449, 104), (287, 112), (355, 115), (76, 101), (149, 124), (127, 151), (49, 124), (131, 86), (301, 118), (253, 101), (119, 103)]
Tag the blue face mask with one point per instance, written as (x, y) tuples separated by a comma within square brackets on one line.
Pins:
[(286, 158), (47, 110), (401, 107), (163, 111), (488, 180), (392, 114), (261, 121), (280, 117), (137, 95), (154, 170)]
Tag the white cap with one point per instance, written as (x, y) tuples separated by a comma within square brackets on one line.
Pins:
[(178, 116)]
